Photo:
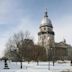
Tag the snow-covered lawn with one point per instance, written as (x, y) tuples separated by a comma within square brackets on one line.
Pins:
[(33, 67)]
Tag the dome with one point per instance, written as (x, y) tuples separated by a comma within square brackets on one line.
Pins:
[(46, 21)]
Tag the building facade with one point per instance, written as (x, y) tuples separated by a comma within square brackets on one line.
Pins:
[(46, 39)]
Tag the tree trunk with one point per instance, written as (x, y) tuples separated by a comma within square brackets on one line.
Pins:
[(21, 65)]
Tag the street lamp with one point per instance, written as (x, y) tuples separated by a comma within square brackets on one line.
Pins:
[(50, 52), (53, 55), (49, 57)]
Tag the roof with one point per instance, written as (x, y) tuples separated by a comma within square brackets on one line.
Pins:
[(61, 45)]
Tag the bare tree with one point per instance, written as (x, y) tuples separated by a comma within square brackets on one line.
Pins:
[(39, 53), (17, 45)]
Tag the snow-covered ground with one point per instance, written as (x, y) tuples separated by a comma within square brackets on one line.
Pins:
[(33, 67)]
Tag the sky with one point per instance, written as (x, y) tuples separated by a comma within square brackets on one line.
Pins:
[(26, 15)]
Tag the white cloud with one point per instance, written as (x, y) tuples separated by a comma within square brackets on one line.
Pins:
[(28, 24), (9, 11), (63, 28)]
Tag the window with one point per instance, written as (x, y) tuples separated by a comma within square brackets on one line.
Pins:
[(44, 28), (49, 29), (44, 36)]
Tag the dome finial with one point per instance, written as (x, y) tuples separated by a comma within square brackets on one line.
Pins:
[(46, 13)]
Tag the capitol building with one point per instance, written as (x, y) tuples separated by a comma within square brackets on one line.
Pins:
[(46, 38)]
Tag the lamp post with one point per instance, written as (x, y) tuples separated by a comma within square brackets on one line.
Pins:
[(48, 53), (48, 59), (50, 56), (52, 49), (53, 55)]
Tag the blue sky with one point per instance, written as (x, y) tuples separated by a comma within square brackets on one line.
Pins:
[(17, 15)]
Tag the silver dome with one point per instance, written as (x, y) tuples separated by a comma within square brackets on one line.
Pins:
[(46, 21)]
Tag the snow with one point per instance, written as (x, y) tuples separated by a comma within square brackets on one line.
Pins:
[(60, 66)]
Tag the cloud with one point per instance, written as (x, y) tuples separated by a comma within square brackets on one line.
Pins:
[(27, 24), (3, 39), (10, 12), (63, 28)]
